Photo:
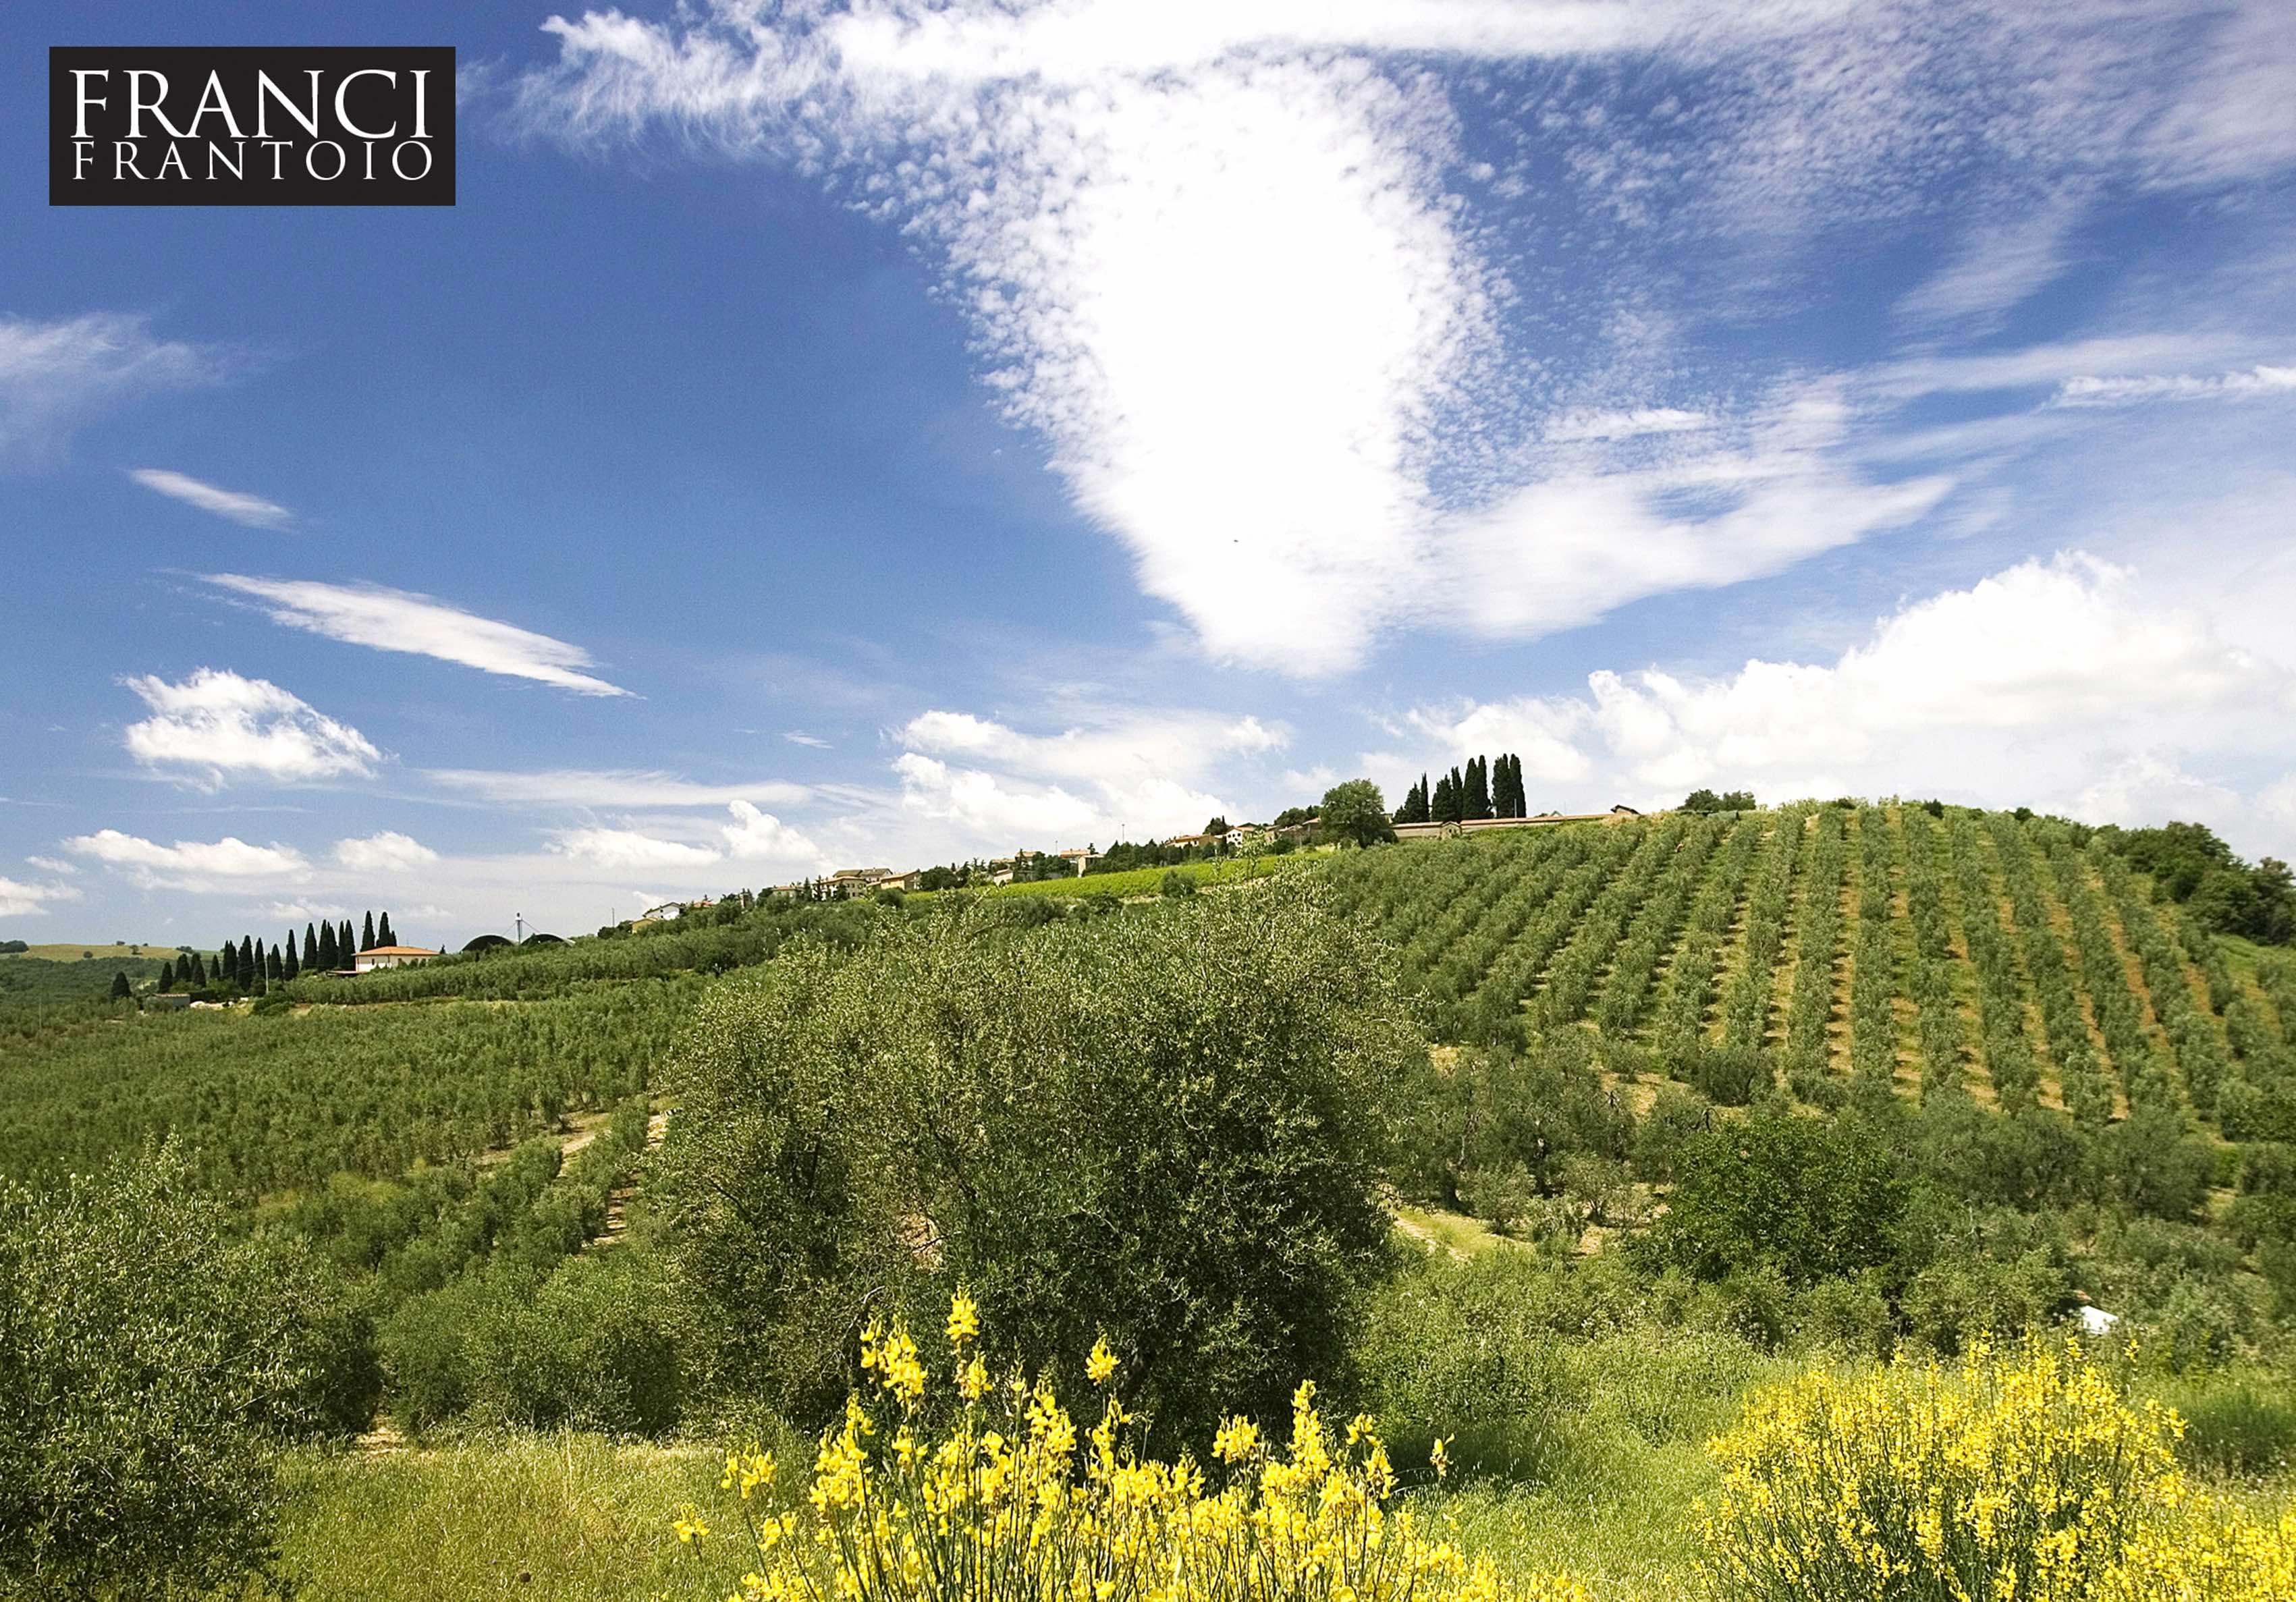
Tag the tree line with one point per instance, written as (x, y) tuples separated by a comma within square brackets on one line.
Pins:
[(1487, 787), (249, 966)]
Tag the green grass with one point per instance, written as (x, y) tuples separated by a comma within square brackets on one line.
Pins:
[(69, 951), (570, 1517), (1434, 1227)]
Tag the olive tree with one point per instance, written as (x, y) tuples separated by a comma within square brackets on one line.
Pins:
[(1169, 1125)]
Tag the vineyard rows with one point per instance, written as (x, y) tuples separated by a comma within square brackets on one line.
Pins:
[(1845, 951)]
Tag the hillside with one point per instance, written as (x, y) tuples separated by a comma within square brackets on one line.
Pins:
[(1831, 947)]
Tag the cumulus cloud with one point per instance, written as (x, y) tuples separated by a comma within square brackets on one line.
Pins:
[(217, 725), (985, 803), (190, 864), (399, 621), (2060, 683), (21, 899), (55, 375), (613, 787), (760, 837), (253, 510), (627, 849), (388, 851)]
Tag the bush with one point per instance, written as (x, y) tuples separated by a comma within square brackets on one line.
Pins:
[(1172, 1124), (151, 1363), (2028, 1477), (589, 1348), (1176, 886), (995, 1495), (1813, 1200)]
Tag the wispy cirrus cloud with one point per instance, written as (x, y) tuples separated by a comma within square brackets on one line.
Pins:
[(607, 788), (2135, 389), (216, 725), (253, 510), (56, 374), (1239, 268), (400, 620)]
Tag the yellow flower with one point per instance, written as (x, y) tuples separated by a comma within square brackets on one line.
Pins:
[(1441, 1457), (1102, 1363), (963, 1319)]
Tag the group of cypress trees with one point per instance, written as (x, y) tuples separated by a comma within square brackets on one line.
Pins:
[(1489, 787), (252, 965)]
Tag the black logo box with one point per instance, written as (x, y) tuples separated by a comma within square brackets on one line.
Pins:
[(367, 105)]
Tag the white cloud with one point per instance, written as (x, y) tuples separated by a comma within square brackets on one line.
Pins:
[(755, 836), (2089, 390), (397, 620), (219, 724), (579, 787), (1570, 427), (1222, 257), (986, 805), (18, 899), (253, 510), (2064, 683), (50, 864), (55, 375), (627, 849), (190, 864), (388, 852), (798, 737)]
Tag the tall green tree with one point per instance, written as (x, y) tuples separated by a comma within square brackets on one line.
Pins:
[(293, 964), (329, 957), (382, 935), (243, 971), (1027, 1110), (274, 966), (345, 946), (1354, 812), (166, 978), (311, 957), (366, 934), (120, 988), (1477, 803), (198, 974)]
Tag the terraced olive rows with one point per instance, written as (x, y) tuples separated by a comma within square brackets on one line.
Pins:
[(1841, 950)]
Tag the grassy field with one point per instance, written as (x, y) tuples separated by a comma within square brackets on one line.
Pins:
[(71, 952)]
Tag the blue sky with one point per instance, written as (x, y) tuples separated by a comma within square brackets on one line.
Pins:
[(833, 437)]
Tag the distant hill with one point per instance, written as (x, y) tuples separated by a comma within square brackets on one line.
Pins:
[(67, 951), (32, 981)]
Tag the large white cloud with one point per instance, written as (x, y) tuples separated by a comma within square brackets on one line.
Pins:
[(2064, 683), (217, 725), (1238, 266), (397, 620), (191, 864), (628, 849)]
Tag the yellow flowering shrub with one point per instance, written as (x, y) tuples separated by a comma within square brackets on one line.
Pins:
[(990, 1492), (2002, 1478)]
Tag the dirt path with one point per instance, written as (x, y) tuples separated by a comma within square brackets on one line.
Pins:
[(618, 1203)]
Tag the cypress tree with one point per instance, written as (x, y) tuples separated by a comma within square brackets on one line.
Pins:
[(382, 935), (166, 978), (327, 957), (366, 934), (273, 968), (294, 964), (311, 958), (1477, 801), (198, 979), (120, 988), (227, 964), (243, 970), (344, 949)]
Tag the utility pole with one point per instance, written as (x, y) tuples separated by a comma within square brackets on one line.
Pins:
[(519, 920)]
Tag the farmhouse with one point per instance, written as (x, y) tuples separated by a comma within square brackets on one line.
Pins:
[(389, 956)]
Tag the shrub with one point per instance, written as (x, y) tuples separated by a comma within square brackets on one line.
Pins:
[(152, 1362), (2028, 1477), (1813, 1199), (1173, 1124), (1000, 1498)]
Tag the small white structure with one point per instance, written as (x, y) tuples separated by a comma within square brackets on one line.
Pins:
[(2096, 1320), (389, 956)]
